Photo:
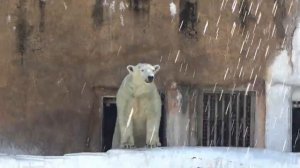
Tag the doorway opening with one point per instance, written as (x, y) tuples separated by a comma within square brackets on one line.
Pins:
[(110, 118), (296, 126), (108, 122)]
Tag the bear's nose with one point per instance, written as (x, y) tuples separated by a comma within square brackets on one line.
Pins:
[(150, 78)]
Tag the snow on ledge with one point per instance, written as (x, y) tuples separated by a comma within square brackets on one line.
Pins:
[(203, 157)]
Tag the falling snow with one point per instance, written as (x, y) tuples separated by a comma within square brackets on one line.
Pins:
[(122, 6), (173, 9), (282, 83), (112, 6)]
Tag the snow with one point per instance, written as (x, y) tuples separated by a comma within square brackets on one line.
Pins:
[(160, 157), (278, 115), (105, 3), (296, 48), (173, 9), (296, 94), (112, 6), (65, 5), (281, 69), (122, 6), (282, 86), (296, 60), (8, 19)]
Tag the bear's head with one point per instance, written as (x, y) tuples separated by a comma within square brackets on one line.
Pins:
[(143, 72)]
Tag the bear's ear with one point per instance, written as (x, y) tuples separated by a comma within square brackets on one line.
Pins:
[(156, 68), (130, 68)]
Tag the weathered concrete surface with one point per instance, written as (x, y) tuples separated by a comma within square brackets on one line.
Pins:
[(52, 54)]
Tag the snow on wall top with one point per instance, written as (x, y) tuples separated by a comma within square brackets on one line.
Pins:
[(160, 157), (281, 69)]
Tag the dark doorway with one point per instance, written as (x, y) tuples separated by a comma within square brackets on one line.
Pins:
[(162, 126), (296, 127), (109, 122)]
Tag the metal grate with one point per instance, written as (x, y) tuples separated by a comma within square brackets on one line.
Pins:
[(228, 119)]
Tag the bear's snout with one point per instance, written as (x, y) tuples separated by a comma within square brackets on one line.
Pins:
[(150, 79)]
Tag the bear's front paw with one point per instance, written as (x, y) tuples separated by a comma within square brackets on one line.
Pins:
[(127, 146), (153, 145)]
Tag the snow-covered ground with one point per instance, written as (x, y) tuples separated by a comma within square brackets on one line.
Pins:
[(197, 157), (282, 87)]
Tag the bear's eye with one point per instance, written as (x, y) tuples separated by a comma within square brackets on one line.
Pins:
[(142, 70)]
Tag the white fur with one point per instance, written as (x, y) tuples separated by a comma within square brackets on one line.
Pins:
[(139, 108)]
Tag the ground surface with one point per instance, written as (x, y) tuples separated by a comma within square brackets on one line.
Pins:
[(160, 157)]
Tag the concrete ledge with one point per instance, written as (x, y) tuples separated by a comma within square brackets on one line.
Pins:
[(160, 157)]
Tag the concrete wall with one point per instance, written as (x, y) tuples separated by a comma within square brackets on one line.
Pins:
[(53, 53)]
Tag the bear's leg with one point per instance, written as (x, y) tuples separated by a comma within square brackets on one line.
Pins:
[(127, 140), (152, 137), (125, 124)]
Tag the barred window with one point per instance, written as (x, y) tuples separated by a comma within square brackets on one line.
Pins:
[(228, 119)]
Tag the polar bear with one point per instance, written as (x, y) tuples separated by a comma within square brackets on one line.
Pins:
[(138, 109)]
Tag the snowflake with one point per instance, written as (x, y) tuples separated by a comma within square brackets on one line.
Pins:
[(173, 9), (122, 6)]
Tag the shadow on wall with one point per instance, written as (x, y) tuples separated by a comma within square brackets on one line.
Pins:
[(42, 6), (39, 132), (97, 13), (23, 30), (188, 18)]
